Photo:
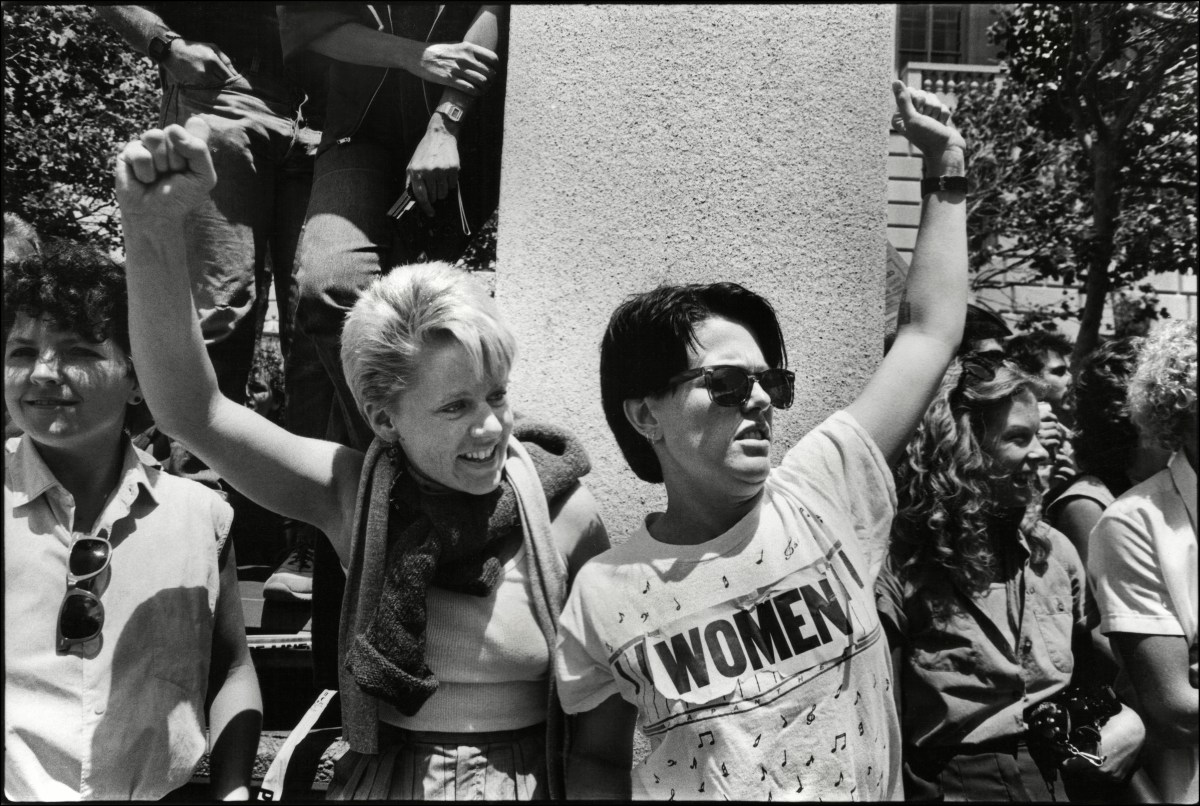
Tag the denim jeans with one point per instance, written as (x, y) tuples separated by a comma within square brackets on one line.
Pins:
[(248, 228), (346, 244), (348, 241), (239, 240)]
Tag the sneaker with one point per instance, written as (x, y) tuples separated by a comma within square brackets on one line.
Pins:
[(293, 579)]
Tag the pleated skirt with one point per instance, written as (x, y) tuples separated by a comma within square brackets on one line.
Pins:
[(423, 765)]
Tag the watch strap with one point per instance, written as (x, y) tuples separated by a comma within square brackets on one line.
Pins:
[(160, 45), (953, 184), (450, 111)]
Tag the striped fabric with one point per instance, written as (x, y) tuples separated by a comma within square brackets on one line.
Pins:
[(418, 765)]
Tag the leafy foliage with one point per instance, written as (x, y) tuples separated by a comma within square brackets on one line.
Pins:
[(74, 93), (1084, 160)]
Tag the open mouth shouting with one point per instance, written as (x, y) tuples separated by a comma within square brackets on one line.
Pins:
[(757, 431)]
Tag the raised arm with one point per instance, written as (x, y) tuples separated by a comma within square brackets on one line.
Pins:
[(935, 298), (159, 178)]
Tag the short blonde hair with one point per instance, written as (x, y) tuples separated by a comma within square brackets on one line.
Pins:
[(1162, 392), (406, 310)]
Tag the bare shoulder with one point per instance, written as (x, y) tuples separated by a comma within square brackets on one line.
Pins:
[(578, 530)]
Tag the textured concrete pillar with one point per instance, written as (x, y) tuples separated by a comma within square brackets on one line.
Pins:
[(658, 143)]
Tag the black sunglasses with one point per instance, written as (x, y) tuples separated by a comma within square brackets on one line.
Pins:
[(81, 617), (731, 386)]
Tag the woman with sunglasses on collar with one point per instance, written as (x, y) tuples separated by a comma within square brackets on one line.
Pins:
[(459, 529), (740, 623), (981, 600), (122, 619)]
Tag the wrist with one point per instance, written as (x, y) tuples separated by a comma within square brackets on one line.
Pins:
[(407, 55), (950, 161), (446, 118), (439, 125), (160, 45)]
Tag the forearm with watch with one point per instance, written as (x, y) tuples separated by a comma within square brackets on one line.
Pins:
[(141, 28), (432, 172), (454, 104)]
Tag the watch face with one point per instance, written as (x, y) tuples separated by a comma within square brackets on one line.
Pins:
[(455, 113)]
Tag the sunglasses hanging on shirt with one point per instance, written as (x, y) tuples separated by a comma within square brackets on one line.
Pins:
[(81, 616)]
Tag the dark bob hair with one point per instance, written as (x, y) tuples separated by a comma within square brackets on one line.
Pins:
[(78, 287), (647, 342), (1105, 436)]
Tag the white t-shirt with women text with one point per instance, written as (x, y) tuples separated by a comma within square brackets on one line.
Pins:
[(756, 659)]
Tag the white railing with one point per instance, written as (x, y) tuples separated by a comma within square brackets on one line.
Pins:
[(947, 81)]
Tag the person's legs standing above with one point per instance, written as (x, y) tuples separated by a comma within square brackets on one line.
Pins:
[(346, 244)]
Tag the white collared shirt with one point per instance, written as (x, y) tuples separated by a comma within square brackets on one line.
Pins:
[(1142, 561), (120, 717)]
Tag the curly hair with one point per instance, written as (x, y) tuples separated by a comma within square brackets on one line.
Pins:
[(1029, 351), (77, 286), (944, 483), (1162, 394), (1105, 436)]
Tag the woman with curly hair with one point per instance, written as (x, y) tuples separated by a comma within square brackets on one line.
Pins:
[(1109, 454), (122, 621), (1143, 562), (980, 599)]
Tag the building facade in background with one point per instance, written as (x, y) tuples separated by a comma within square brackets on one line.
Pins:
[(944, 47)]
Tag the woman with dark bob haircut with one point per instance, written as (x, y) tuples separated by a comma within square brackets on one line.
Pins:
[(1110, 455), (981, 600), (740, 623), (147, 628)]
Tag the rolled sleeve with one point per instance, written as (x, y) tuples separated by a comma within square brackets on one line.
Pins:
[(584, 676), (1130, 593)]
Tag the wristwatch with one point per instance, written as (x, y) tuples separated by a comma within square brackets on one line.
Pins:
[(160, 46), (954, 184), (451, 111)]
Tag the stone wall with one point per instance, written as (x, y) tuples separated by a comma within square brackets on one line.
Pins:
[(655, 143)]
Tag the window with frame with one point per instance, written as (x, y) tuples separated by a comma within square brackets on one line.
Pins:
[(930, 32)]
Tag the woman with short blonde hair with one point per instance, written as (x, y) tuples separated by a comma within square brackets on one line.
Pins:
[(460, 529)]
